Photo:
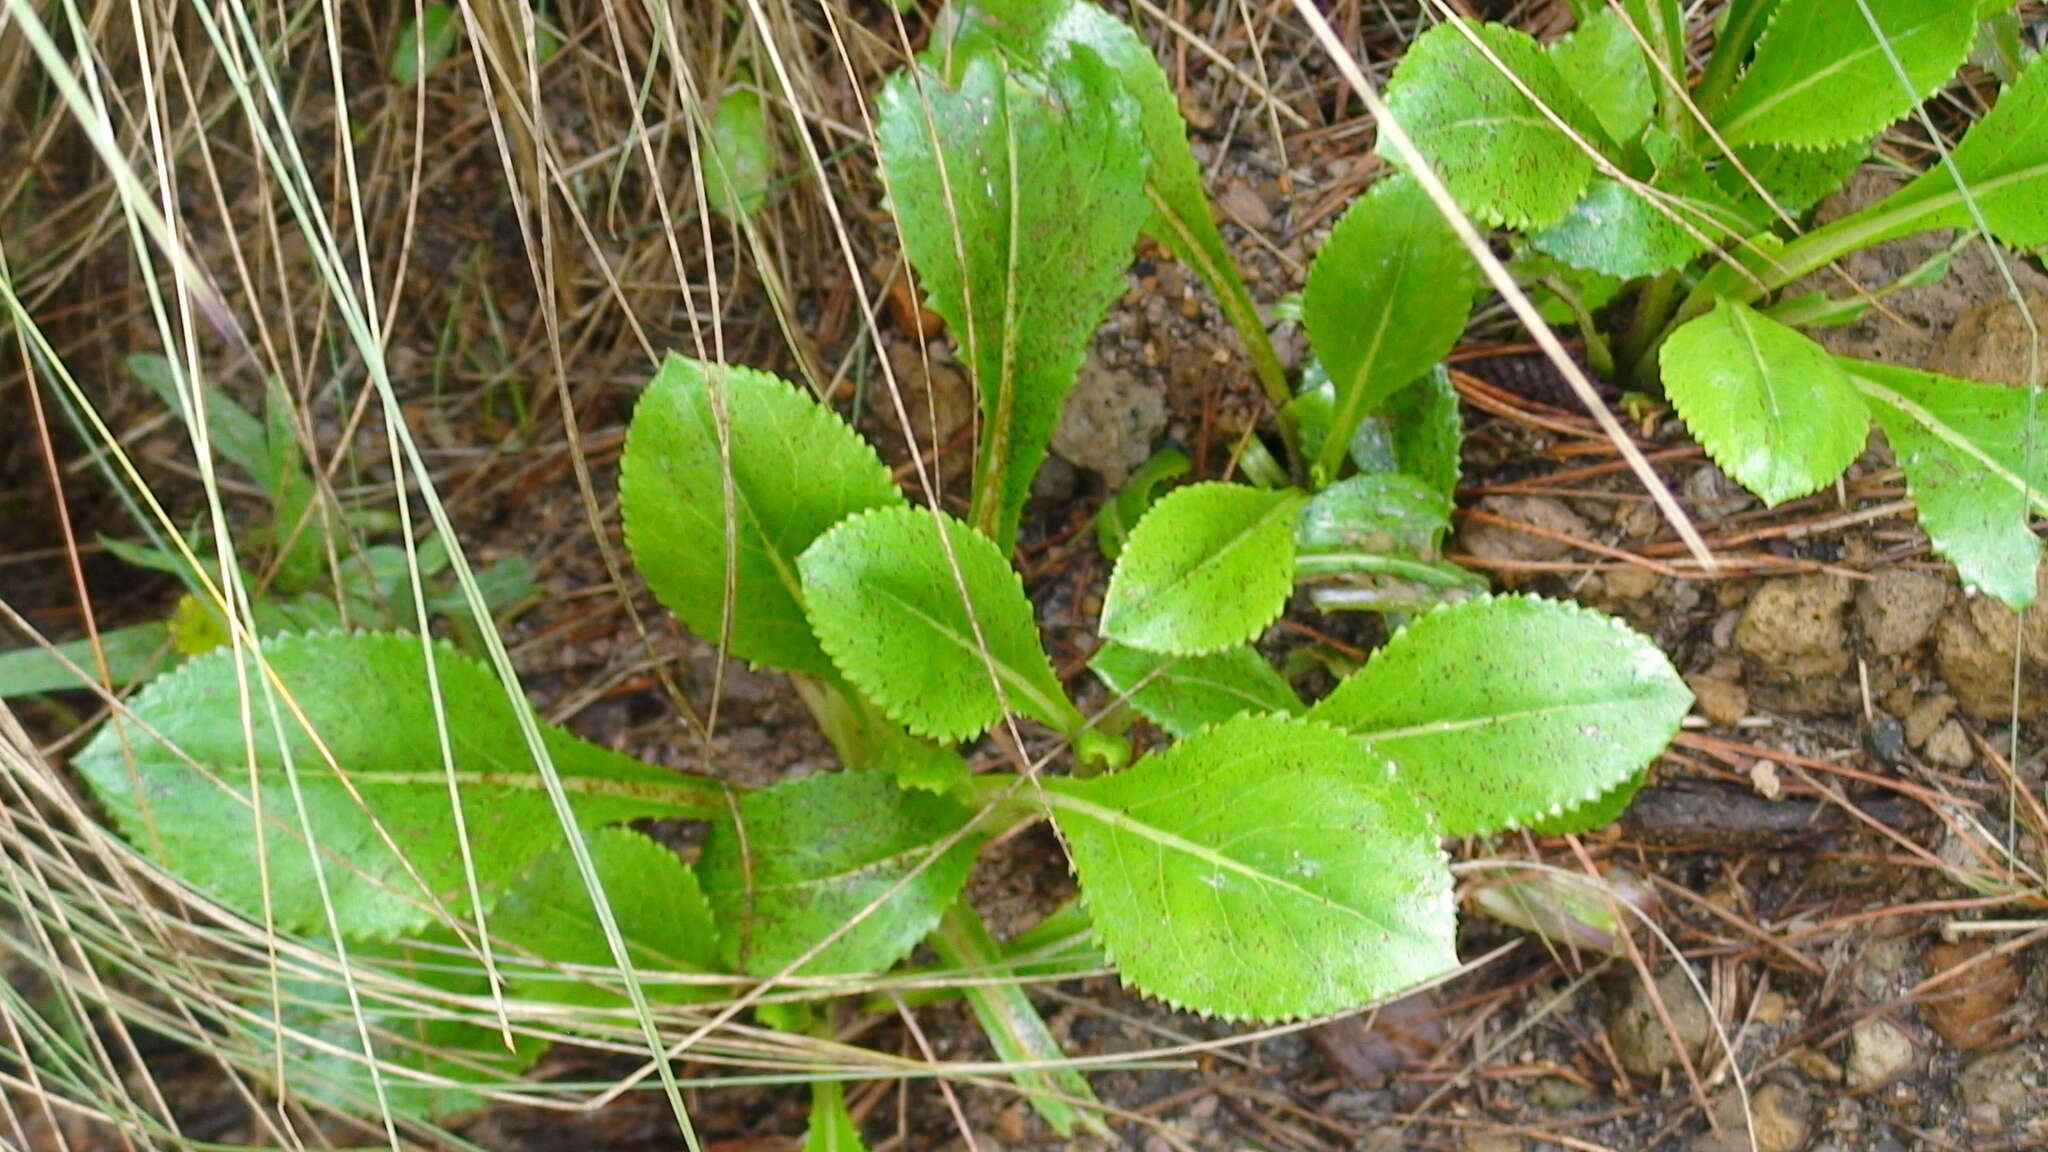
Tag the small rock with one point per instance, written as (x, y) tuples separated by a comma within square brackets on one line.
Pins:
[(1997, 1081), (1557, 1094), (1879, 1053), (1631, 583), (1990, 342), (1949, 746), (1713, 496), (1492, 1142), (1783, 1116), (1640, 1039), (1109, 421), (1793, 626), (1500, 543), (1898, 609), (1815, 1065), (1968, 1009), (1973, 647), (1885, 738), (1927, 716), (1763, 776), (1243, 204), (1723, 702)]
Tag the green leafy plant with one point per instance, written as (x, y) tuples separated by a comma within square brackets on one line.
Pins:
[(1673, 203), (1266, 858)]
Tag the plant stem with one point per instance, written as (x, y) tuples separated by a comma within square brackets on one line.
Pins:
[(1653, 309), (1740, 27), (1598, 354), (1013, 1024)]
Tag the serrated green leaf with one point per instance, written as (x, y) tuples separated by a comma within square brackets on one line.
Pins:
[(1506, 162), (1625, 233), (1267, 868), (795, 470), (177, 781), (1598, 812), (831, 1127), (1769, 405), (1383, 513), (2003, 161), (1208, 568), (1386, 298), (741, 161), (1796, 178), (1419, 432), (1604, 64), (548, 918), (1974, 467), (1018, 202), (1506, 710), (1046, 32), (1185, 694), (809, 855), (1821, 77), (883, 595)]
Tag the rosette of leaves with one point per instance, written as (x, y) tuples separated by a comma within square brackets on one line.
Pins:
[(1589, 149)]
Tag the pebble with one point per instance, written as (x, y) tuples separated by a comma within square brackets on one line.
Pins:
[(1793, 626), (1879, 1053), (1500, 543), (1949, 746), (1898, 609), (1968, 1009), (1926, 716), (1783, 1117), (1723, 702), (1640, 1040)]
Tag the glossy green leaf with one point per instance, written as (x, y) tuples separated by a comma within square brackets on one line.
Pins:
[(1822, 77), (1604, 64), (1629, 233), (1504, 159), (808, 856), (131, 653), (1381, 513), (1185, 694), (1795, 178), (1735, 35), (547, 920), (423, 44), (1973, 465), (1018, 201), (1768, 404), (1118, 515), (831, 1127), (795, 470), (741, 160), (1598, 812), (1419, 432), (1507, 710), (177, 781), (885, 598), (1266, 868), (1206, 569), (2003, 160), (1047, 31), (1386, 298)]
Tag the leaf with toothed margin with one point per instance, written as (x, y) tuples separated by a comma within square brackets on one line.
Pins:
[(783, 470), (1185, 694), (887, 602), (1506, 710), (1768, 404), (1822, 76), (1976, 465), (385, 840), (804, 858), (1208, 568), (1267, 868), (1504, 158)]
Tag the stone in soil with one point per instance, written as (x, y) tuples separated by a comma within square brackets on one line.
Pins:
[(1721, 700), (1793, 631), (1949, 746), (1645, 1047), (1109, 422), (1926, 716), (1880, 1052), (1991, 341), (1968, 1010), (1783, 1116), (1495, 542), (1974, 646), (1898, 609)]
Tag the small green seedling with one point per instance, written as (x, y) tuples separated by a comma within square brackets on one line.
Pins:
[(1270, 858), (1675, 204)]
